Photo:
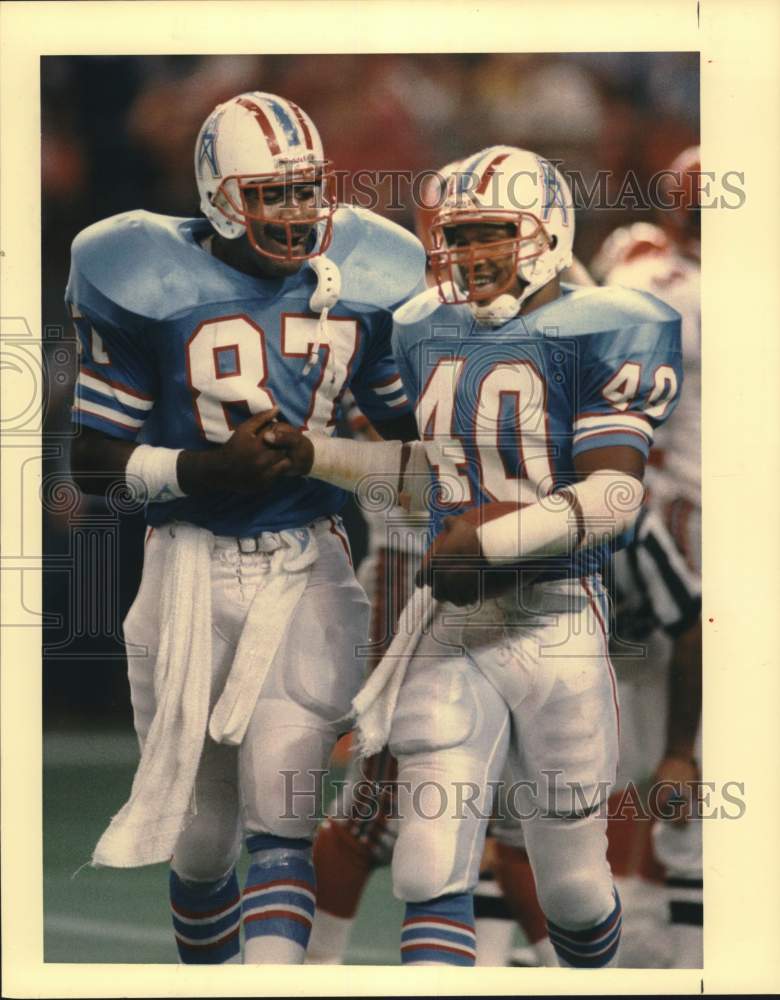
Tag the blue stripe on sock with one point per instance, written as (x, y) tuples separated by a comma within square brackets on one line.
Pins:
[(209, 929), (592, 947), (587, 961), (297, 869), (590, 932), (205, 898), (267, 868), (280, 898), (211, 954), (283, 927), (268, 842), (199, 897), (456, 906), (587, 949), (434, 955), (453, 937)]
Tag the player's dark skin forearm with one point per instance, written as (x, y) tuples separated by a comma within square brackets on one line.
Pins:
[(242, 464), (685, 686), (98, 462)]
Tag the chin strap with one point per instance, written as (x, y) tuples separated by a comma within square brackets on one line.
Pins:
[(322, 300), (497, 312), (533, 276)]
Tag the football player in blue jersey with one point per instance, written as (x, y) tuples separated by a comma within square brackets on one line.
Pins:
[(536, 404), (194, 333)]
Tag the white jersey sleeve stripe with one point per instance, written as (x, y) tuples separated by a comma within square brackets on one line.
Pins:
[(106, 389), (386, 390), (632, 420), (116, 416)]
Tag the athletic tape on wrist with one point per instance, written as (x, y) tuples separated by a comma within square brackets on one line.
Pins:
[(151, 474)]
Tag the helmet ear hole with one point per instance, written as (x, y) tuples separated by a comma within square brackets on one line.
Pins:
[(553, 242)]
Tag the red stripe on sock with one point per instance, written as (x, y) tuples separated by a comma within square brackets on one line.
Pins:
[(272, 914), (437, 947), (210, 944), (192, 915), (438, 920), (297, 882)]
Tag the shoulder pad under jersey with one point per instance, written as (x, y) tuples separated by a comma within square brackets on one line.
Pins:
[(142, 266), (419, 308), (593, 309), (381, 263)]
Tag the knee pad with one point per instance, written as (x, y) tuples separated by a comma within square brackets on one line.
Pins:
[(573, 880), (437, 709), (209, 847), (423, 863), (577, 900), (282, 763)]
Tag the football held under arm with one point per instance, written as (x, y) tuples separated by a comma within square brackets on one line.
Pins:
[(602, 506), (628, 384)]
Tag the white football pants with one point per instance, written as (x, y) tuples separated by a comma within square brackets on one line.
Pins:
[(263, 786), (531, 688)]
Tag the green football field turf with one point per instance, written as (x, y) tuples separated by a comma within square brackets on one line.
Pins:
[(113, 915)]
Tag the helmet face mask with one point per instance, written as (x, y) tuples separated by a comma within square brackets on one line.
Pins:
[(469, 266), (261, 171), (281, 212), (505, 227)]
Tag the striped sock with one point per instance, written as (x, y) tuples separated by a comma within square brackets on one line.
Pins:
[(440, 932), (686, 915), (206, 919), (279, 900), (592, 948)]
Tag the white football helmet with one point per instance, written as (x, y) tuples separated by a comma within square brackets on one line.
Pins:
[(503, 184), (257, 141), (431, 195)]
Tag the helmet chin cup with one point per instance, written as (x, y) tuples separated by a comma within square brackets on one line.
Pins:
[(328, 290), (497, 312)]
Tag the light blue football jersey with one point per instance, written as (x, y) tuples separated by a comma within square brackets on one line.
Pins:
[(178, 348), (506, 410)]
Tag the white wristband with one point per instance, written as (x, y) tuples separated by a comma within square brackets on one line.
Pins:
[(151, 474), (602, 506)]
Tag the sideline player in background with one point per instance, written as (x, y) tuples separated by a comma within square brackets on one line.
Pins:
[(666, 261), (531, 395), (241, 640)]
